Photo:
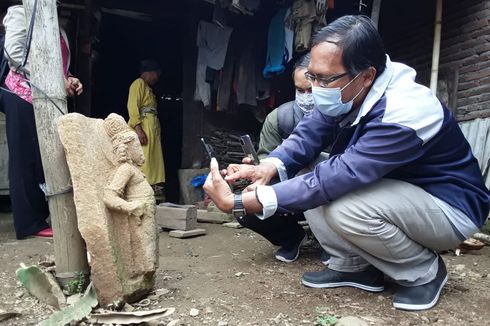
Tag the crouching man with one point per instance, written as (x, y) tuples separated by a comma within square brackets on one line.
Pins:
[(400, 185)]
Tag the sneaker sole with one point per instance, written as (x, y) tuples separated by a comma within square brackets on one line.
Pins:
[(407, 306), (281, 258), (344, 284)]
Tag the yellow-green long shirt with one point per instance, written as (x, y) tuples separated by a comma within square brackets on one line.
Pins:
[(141, 99)]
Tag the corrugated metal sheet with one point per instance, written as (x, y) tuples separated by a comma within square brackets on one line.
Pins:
[(477, 132)]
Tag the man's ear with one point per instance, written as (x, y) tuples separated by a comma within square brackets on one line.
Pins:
[(368, 77)]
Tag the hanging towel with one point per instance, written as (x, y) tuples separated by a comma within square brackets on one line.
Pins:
[(288, 35), (212, 41), (275, 45)]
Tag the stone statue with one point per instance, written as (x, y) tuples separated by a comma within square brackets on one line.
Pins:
[(115, 205)]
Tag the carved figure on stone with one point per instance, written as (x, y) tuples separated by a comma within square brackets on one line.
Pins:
[(128, 192), (115, 205)]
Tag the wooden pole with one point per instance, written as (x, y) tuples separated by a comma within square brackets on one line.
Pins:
[(436, 48), (46, 73), (376, 8)]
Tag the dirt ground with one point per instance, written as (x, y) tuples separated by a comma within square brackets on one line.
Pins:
[(232, 278)]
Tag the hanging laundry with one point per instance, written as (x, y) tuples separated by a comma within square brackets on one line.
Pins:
[(246, 81), (246, 7), (275, 45), (241, 80), (288, 35), (220, 14), (304, 14), (212, 41)]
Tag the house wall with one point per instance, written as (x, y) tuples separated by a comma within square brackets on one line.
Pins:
[(464, 75)]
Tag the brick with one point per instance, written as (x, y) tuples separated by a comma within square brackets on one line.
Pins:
[(482, 114), (468, 100), (176, 218), (466, 86), (476, 75), (476, 59), (460, 55), (476, 67), (482, 48)]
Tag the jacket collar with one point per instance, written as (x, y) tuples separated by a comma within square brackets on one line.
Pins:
[(377, 90)]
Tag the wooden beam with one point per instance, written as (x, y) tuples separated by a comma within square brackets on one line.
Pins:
[(376, 8), (84, 59), (193, 116), (47, 75)]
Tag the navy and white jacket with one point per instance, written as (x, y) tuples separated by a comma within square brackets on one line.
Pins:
[(401, 132)]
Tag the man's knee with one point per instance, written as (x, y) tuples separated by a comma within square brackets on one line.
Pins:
[(344, 217)]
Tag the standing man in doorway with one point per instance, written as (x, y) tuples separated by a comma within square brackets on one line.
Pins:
[(143, 118)]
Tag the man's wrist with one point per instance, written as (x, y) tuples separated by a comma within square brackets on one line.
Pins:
[(230, 203)]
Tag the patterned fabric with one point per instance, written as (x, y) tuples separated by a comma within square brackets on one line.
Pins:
[(18, 84)]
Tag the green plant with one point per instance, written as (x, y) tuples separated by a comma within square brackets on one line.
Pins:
[(77, 284), (326, 320), (486, 227)]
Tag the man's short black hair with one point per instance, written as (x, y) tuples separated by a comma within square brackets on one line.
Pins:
[(302, 62), (361, 43)]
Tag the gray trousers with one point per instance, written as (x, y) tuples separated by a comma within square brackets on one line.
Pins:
[(392, 225)]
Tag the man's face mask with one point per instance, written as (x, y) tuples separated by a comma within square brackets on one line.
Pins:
[(305, 101), (329, 100)]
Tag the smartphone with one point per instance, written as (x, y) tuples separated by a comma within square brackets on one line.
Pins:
[(248, 149), (208, 149)]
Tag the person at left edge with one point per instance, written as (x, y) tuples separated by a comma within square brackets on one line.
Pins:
[(26, 176)]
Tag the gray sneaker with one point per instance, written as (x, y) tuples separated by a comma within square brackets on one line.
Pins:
[(423, 296), (371, 279)]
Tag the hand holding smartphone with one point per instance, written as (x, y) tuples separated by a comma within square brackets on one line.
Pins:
[(248, 149), (208, 149)]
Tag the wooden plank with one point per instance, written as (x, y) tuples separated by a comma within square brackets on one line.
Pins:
[(176, 218), (233, 225), (186, 234), (203, 216)]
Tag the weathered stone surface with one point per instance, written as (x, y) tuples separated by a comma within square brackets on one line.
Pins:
[(205, 216), (351, 321), (233, 225), (176, 217), (186, 234), (115, 205)]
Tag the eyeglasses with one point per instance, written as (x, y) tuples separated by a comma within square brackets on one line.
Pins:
[(323, 82)]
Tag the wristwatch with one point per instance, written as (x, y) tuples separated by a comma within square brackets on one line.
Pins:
[(238, 210)]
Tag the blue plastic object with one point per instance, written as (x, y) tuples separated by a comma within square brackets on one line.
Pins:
[(199, 180)]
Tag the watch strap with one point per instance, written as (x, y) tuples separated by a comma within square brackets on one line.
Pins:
[(238, 209)]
